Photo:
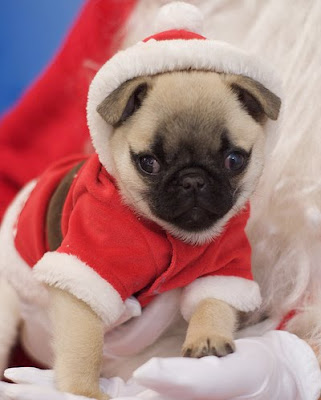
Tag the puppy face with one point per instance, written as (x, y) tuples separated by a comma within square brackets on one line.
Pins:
[(188, 147)]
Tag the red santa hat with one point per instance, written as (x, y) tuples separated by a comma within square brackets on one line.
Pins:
[(177, 45)]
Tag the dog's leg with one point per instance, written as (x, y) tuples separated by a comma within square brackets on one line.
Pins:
[(78, 345), (9, 321), (210, 330)]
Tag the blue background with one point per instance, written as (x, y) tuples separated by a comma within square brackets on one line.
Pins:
[(31, 32)]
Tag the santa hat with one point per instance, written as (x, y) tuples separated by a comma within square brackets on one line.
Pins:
[(177, 46)]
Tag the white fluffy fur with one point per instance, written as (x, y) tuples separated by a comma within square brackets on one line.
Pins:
[(227, 20), (286, 213), (66, 271), (179, 15), (11, 263), (286, 222), (9, 320), (240, 293)]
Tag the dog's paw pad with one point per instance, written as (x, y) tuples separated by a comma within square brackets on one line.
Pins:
[(103, 396), (187, 352), (229, 348)]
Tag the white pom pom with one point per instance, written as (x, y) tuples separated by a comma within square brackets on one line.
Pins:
[(179, 15)]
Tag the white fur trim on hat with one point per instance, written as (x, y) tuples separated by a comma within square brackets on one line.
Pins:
[(179, 15), (69, 273), (242, 294), (153, 57)]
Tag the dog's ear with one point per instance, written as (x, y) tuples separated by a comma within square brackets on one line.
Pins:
[(123, 102), (257, 100)]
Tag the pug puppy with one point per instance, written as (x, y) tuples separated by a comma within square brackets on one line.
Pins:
[(188, 150)]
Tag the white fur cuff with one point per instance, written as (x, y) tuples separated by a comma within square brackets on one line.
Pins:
[(69, 273), (242, 294)]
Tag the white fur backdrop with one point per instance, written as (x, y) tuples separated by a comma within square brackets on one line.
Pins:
[(285, 227)]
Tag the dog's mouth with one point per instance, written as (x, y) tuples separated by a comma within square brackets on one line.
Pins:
[(193, 200), (195, 218)]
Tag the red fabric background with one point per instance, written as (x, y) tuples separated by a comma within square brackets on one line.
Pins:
[(49, 121)]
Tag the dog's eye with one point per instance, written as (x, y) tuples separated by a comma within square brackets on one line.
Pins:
[(149, 164), (234, 162)]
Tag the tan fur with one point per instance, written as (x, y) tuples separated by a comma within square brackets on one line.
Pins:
[(209, 97), (78, 344), (210, 330), (305, 326)]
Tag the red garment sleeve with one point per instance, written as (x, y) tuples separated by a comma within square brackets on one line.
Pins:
[(233, 281), (103, 258), (107, 239)]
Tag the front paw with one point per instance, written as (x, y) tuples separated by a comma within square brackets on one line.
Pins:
[(99, 396), (92, 394), (209, 345), (103, 396)]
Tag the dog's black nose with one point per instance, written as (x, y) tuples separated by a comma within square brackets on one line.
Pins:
[(192, 182)]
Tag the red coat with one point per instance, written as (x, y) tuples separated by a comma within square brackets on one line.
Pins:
[(135, 256)]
